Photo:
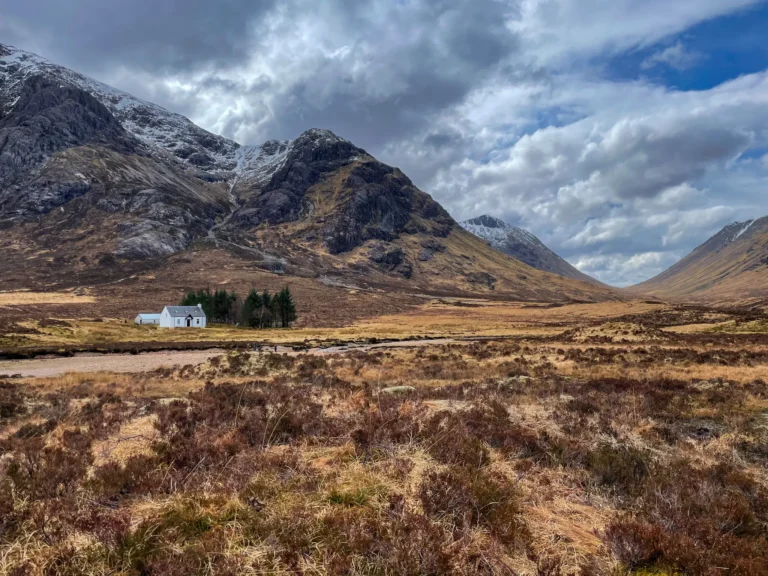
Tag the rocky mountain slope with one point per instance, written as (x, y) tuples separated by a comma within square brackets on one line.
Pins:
[(523, 246), (732, 264), (96, 184)]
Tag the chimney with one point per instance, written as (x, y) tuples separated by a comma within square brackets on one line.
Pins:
[(200, 306)]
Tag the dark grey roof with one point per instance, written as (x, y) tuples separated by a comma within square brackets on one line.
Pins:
[(194, 311)]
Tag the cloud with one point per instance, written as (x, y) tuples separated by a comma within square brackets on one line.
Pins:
[(626, 271), (159, 36), (675, 56), (560, 31)]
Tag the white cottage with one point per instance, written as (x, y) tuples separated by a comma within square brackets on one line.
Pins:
[(144, 319), (183, 317)]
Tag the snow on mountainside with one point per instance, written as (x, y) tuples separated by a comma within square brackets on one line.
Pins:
[(154, 126), (167, 135), (498, 233), (522, 245)]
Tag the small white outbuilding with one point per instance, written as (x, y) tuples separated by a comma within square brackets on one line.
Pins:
[(144, 319), (183, 317)]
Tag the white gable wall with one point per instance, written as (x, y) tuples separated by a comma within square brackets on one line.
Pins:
[(169, 321), (166, 320)]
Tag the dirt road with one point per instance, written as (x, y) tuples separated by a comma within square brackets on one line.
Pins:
[(48, 367), (125, 363)]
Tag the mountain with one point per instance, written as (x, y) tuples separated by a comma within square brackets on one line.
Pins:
[(97, 186), (522, 245), (731, 264)]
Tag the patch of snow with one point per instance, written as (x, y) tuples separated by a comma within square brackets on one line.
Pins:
[(744, 229), (498, 233), (256, 164), (153, 125), (167, 135)]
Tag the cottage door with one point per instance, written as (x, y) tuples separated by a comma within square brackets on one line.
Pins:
[(189, 321)]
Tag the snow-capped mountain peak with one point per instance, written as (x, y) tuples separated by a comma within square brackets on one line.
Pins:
[(521, 245), (497, 232), (162, 131)]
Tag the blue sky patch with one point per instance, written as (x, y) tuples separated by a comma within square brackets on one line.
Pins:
[(703, 56)]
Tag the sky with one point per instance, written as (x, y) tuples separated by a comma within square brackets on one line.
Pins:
[(622, 133)]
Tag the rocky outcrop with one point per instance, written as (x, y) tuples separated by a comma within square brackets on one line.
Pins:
[(379, 202), (482, 279), (390, 260), (429, 248), (48, 118), (313, 155), (150, 239), (373, 202)]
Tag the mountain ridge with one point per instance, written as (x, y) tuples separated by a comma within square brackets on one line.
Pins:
[(524, 246), (733, 263), (107, 183)]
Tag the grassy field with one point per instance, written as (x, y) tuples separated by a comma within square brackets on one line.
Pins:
[(601, 442), (434, 319), (21, 298)]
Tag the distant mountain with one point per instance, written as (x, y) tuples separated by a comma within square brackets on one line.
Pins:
[(523, 246), (106, 185), (731, 264)]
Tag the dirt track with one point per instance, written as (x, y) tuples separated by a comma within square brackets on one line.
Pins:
[(126, 363), (48, 367)]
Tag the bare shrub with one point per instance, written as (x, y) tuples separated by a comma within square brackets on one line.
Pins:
[(383, 421), (465, 499), (692, 520), (449, 441), (623, 468)]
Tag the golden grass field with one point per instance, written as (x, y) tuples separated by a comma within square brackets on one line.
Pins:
[(438, 318), (24, 297)]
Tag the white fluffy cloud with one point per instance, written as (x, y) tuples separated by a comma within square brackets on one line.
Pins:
[(655, 171), (492, 106), (675, 56)]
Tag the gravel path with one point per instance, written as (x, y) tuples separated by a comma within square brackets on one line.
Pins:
[(49, 367)]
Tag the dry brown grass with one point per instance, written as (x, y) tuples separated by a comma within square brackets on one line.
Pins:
[(23, 297), (278, 463), (434, 319)]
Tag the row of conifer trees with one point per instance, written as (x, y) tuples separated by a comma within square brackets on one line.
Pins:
[(257, 310)]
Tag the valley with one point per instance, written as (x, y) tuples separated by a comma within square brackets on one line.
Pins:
[(452, 397)]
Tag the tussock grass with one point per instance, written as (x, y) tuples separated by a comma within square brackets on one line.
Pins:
[(532, 456)]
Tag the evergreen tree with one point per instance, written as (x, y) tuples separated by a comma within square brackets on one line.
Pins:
[(219, 306), (263, 310), (251, 310), (265, 319), (222, 302), (286, 307)]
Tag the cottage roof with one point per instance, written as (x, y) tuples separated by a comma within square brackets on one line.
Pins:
[(184, 311), (149, 316)]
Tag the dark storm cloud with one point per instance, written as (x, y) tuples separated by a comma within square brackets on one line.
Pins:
[(398, 63), (153, 35), (441, 140), (397, 74)]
